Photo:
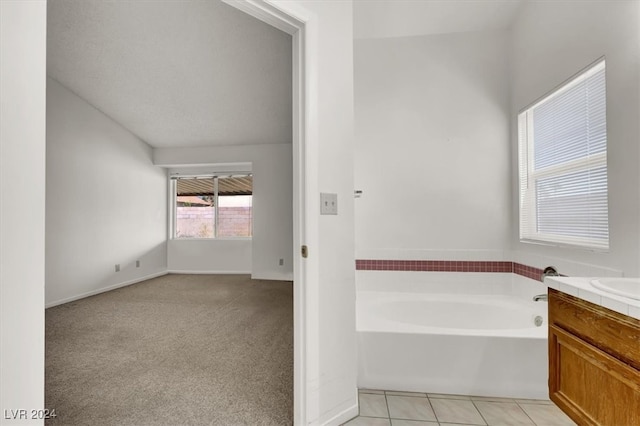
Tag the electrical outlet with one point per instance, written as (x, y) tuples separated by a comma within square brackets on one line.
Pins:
[(328, 203), (117, 267), (281, 262), (137, 263)]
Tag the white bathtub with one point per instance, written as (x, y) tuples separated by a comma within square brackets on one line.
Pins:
[(446, 334)]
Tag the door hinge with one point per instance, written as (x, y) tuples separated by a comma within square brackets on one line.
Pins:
[(304, 251)]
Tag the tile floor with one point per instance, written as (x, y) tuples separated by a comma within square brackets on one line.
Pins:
[(387, 408)]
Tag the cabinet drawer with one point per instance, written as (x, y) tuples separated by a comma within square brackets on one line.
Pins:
[(613, 333)]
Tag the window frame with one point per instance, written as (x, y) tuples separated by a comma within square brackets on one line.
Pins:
[(173, 206), (529, 176)]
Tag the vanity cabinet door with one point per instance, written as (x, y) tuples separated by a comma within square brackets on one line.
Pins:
[(591, 386)]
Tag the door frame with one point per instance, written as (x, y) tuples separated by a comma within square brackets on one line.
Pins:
[(293, 20)]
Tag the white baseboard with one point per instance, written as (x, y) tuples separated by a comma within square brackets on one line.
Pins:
[(189, 271), (286, 276), (140, 279), (104, 289), (276, 276), (343, 416)]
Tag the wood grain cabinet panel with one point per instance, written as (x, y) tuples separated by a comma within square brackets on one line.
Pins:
[(594, 354)]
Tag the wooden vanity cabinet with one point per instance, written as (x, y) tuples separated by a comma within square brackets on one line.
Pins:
[(594, 362)]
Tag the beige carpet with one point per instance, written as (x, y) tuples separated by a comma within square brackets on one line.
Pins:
[(174, 350)]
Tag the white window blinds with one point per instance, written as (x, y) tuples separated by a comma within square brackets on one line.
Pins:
[(563, 165)]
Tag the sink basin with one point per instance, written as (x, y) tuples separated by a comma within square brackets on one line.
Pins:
[(627, 287)]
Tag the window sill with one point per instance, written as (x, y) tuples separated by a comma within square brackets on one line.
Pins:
[(549, 243)]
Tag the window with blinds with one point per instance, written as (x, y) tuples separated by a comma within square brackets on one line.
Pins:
[(563, 165)]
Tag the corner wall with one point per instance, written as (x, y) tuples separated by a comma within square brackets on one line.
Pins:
[(106, 202), (272, 214), (432, 147), (23, 38), (551, 42)]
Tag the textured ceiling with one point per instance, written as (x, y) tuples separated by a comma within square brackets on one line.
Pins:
[(404, 18), (175, 73)]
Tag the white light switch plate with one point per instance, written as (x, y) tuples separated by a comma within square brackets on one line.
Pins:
[(328, 203)]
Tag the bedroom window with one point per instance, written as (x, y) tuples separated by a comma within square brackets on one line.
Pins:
[(213, 206), (563, 165)]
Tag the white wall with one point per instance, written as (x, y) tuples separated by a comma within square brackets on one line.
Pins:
[(272, 214), (22, 198), (209, 256), (432, 146), (551, 42), (106, 201)]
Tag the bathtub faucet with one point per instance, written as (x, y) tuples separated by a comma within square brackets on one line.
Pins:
[(549, 271), (543, 297)]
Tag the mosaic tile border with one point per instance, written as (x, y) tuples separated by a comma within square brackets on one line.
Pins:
[(449, 266)]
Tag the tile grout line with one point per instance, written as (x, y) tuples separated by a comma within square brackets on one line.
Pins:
[(433, 409), (479, 412), (386, 401), (418, 397), (527, 414), (407, 396)]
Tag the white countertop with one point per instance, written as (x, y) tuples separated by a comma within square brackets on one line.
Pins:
[(581, 287)]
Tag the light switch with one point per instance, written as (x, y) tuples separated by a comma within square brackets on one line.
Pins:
[(328, 203)]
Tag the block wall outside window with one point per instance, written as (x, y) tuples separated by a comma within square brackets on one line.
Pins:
[(213, 206)]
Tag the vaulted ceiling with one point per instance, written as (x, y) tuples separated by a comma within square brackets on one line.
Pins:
[(175, 73), (405, 18), (182, 73)]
